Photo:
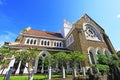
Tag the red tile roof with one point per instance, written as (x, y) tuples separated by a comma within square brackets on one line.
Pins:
[(43, 33)]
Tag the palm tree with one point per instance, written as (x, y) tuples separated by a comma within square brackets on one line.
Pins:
[(27, 56)]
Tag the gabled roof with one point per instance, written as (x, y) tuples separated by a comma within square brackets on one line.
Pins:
[(85, 15), (43, 33)]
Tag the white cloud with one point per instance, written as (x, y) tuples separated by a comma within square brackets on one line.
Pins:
[(7, 37), (118, 16)]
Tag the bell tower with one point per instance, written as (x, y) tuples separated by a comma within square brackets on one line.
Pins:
[(66, 28)]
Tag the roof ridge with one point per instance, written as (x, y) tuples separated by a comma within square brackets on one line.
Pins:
[(46, 31)]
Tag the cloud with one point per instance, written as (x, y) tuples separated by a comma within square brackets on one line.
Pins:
[(7, 37), (118, 16)]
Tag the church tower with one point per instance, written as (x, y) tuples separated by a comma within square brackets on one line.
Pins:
[(66, 28)]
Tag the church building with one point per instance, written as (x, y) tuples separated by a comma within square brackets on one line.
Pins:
[(85, 35)]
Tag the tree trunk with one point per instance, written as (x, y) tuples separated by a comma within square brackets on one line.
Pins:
[(83, 69), (32, 73), (75, 75), (28, 68), (63, 70), (49, 77)]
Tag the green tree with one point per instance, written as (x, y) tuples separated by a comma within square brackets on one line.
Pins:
[(49, 61), (102, 63), (61, 59), (27, 56), (109, 64), (5, 57), (77, 58)]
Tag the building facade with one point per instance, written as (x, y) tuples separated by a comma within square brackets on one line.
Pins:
[(85, 35)]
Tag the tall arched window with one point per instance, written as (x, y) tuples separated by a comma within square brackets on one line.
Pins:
[(107, 53), (92, 56), (98, 51)]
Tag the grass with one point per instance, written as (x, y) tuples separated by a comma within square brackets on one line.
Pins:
[(35, 77)]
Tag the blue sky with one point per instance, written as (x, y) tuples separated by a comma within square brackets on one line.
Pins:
[(48, 15)]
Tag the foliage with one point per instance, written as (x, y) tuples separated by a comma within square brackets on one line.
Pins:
[(27, 56), (103, 59), (60, 58), (114, 60), (104, 63), (5, 56), (102, 68), (77, 57)]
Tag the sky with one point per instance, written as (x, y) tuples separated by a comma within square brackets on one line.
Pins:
[(48, 15)]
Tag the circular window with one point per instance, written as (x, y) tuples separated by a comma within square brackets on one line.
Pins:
[(91, 32)]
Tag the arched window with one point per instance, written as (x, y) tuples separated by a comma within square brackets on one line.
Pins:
[(48, 43), (34, 41), (54, 43), (107, 53), (92, 56), (42, 42), (57, 44), (45, 43), (28, 41), (60, 44), (99, 51), (31, 41)]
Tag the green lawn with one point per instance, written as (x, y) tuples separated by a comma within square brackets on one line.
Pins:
[(35, 77)]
